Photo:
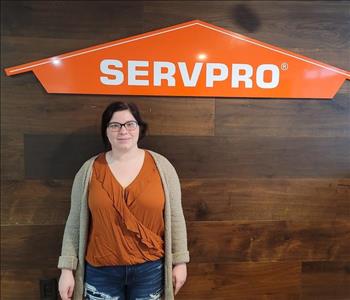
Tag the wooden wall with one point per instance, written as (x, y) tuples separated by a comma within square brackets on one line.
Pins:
[(266, 183)]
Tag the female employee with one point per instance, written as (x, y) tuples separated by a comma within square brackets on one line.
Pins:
[(125, 236)]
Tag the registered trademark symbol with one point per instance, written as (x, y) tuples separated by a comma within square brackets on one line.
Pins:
[(284, 66)]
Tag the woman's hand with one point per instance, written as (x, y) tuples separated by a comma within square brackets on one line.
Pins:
[(66, 284), (179, 276)]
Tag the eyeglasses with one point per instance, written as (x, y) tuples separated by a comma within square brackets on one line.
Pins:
[(129, 126)]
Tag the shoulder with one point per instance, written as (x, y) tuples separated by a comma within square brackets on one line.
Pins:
[(160, 159), (163, 164), (87, 165)]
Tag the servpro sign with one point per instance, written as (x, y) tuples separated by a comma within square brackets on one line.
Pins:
[(189, 59)]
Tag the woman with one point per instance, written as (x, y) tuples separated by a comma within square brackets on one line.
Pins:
[(125, 235)]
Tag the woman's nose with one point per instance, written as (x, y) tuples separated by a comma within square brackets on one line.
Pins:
[(123, 129)]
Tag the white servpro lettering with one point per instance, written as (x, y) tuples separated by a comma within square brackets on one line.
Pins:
[(108, 67), (241, 75), (190, 81), (275, 78), (163, 70), (211, 76), (134, 71)]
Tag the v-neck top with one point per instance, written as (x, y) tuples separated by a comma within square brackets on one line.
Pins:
[(127, 224)]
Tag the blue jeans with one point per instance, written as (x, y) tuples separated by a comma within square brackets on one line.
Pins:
[(143, 281)]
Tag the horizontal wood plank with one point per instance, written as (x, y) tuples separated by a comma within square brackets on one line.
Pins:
[(60, 156), (33, 202), (109, 20), (277, 280), (284, 118), (25, 285), (266, 199), (12, 156), (82, 113), (285, 24), (45, 202), (228, 241), (325, 280), (255, 157), (209, 242), (26, 247), (273, 280)]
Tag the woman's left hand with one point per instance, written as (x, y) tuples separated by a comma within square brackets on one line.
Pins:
[(179, 276)]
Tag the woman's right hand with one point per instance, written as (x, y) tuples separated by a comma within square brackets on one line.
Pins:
[(66, 284)]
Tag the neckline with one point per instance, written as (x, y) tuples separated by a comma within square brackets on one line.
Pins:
[(136, 177)]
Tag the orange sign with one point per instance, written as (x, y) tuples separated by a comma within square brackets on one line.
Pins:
[(189, 59)]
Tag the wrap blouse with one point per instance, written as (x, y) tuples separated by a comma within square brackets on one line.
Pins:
[(127, 224)]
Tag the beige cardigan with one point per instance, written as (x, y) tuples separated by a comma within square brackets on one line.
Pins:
[(77, 225)]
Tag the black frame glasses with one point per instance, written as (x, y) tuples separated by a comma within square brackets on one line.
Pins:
[(129, 126)]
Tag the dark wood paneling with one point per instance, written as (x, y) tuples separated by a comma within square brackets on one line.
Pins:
[(36, 202), (266, 199), (273, 280), (324, 280), (269, 241), (284, 118), (335, 56), (209, 242), (21, 49), (343, 191), (58, 156), (251, 157), (30, 247), (286, 24), (97, 20), (82, 113), (32, 202), (12, 156), (25, 285)]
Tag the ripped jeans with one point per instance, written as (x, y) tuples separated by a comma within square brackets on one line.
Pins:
[(143, 281)]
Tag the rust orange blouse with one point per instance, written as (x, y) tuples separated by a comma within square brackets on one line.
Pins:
[(127, 225)]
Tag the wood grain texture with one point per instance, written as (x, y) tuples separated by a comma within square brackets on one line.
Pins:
[(33, 202), (82, 113), (325, 280), (284, 118), (286, 24), (266, 199), (209, 242), (45, 202), (255, 157), (95, 20), (12, 156), (25, 285), (245, 280), (264, 241), (272, 280), (26, 247), (58, 156), (201, 157)]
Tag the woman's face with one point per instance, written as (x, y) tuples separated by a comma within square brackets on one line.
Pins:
[(124, 139)]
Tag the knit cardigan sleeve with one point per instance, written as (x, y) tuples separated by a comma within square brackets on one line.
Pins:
[(70, 244), (180, 251)]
